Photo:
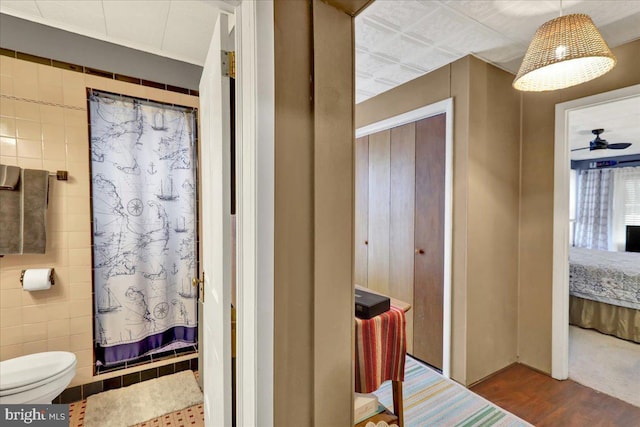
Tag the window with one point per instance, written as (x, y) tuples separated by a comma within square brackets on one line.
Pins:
[(572, 203), (631, 180), (626, 205)]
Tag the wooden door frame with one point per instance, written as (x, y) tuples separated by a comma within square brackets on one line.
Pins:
[(560, 280), (444, 106)]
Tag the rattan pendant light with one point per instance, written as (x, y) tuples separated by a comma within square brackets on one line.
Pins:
[(564, 52)]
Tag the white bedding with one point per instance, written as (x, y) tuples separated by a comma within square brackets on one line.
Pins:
[(609, 277)]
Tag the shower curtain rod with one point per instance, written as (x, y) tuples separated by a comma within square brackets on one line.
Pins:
[(158, 104)]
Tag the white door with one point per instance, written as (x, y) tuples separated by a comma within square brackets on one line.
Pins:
[(216, 242)]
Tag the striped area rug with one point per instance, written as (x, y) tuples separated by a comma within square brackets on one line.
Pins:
[(431, 400)]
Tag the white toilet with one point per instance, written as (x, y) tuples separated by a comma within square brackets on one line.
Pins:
[(36, 378)]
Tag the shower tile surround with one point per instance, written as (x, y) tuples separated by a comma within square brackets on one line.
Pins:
[(43, 125)]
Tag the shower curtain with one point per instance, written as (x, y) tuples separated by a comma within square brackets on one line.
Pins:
[(143, 188)]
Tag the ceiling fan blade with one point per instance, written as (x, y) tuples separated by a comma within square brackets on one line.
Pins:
[(578, 149), (619, 145)]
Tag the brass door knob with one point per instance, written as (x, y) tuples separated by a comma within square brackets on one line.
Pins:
[(195, 282), (366, 242), (420, 251)]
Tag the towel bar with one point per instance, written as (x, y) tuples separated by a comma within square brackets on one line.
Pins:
[(60, 175)]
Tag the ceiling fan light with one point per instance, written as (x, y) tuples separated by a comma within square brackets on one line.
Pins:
[(564, 52)]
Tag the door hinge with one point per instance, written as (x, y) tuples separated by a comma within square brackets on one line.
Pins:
[(228, 60)]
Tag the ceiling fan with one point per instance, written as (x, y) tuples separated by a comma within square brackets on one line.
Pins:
[(601, 144)]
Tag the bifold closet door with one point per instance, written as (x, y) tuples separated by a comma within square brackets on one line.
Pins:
[(379, 193), (401, 219), (361, 231), (429, 239)]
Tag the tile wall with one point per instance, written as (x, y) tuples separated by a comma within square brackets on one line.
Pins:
[(43, 125)]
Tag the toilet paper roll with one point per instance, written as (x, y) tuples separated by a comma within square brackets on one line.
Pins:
[(37, 279)]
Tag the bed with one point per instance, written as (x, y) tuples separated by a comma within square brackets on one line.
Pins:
[(604, 289)]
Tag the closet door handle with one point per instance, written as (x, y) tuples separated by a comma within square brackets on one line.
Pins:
[(366, 242), (420, 251)]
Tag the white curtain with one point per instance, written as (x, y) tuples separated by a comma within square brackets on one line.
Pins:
[(593, 213), (626, 206)]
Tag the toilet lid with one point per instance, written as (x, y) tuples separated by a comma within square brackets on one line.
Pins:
[(34, 368)]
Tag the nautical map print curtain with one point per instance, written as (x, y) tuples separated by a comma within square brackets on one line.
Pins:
[(143, 176)]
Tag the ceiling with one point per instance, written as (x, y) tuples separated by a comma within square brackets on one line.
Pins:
[(397, 41), (177, 29), (620, 120)]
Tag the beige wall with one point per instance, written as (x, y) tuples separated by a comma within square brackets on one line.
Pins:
[(485, 205), (333, 215), (536, 220), (313, 291), (293, 263), (459, 90), (46, 128), (492, 222)]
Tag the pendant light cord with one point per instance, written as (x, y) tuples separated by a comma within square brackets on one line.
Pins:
[(561, 11)]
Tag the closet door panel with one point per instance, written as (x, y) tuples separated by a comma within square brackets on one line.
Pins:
[(402, 205), (361, 210), (429, 239), (379, 180)]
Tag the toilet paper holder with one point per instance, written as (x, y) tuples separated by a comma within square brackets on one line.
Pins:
[(50, 277)]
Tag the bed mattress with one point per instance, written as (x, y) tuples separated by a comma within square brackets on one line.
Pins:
[(610, 277)]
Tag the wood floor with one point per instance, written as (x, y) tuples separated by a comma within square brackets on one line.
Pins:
[(534, 397), (543, 401)]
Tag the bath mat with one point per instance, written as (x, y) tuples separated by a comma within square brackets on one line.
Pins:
[(143, 401)]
